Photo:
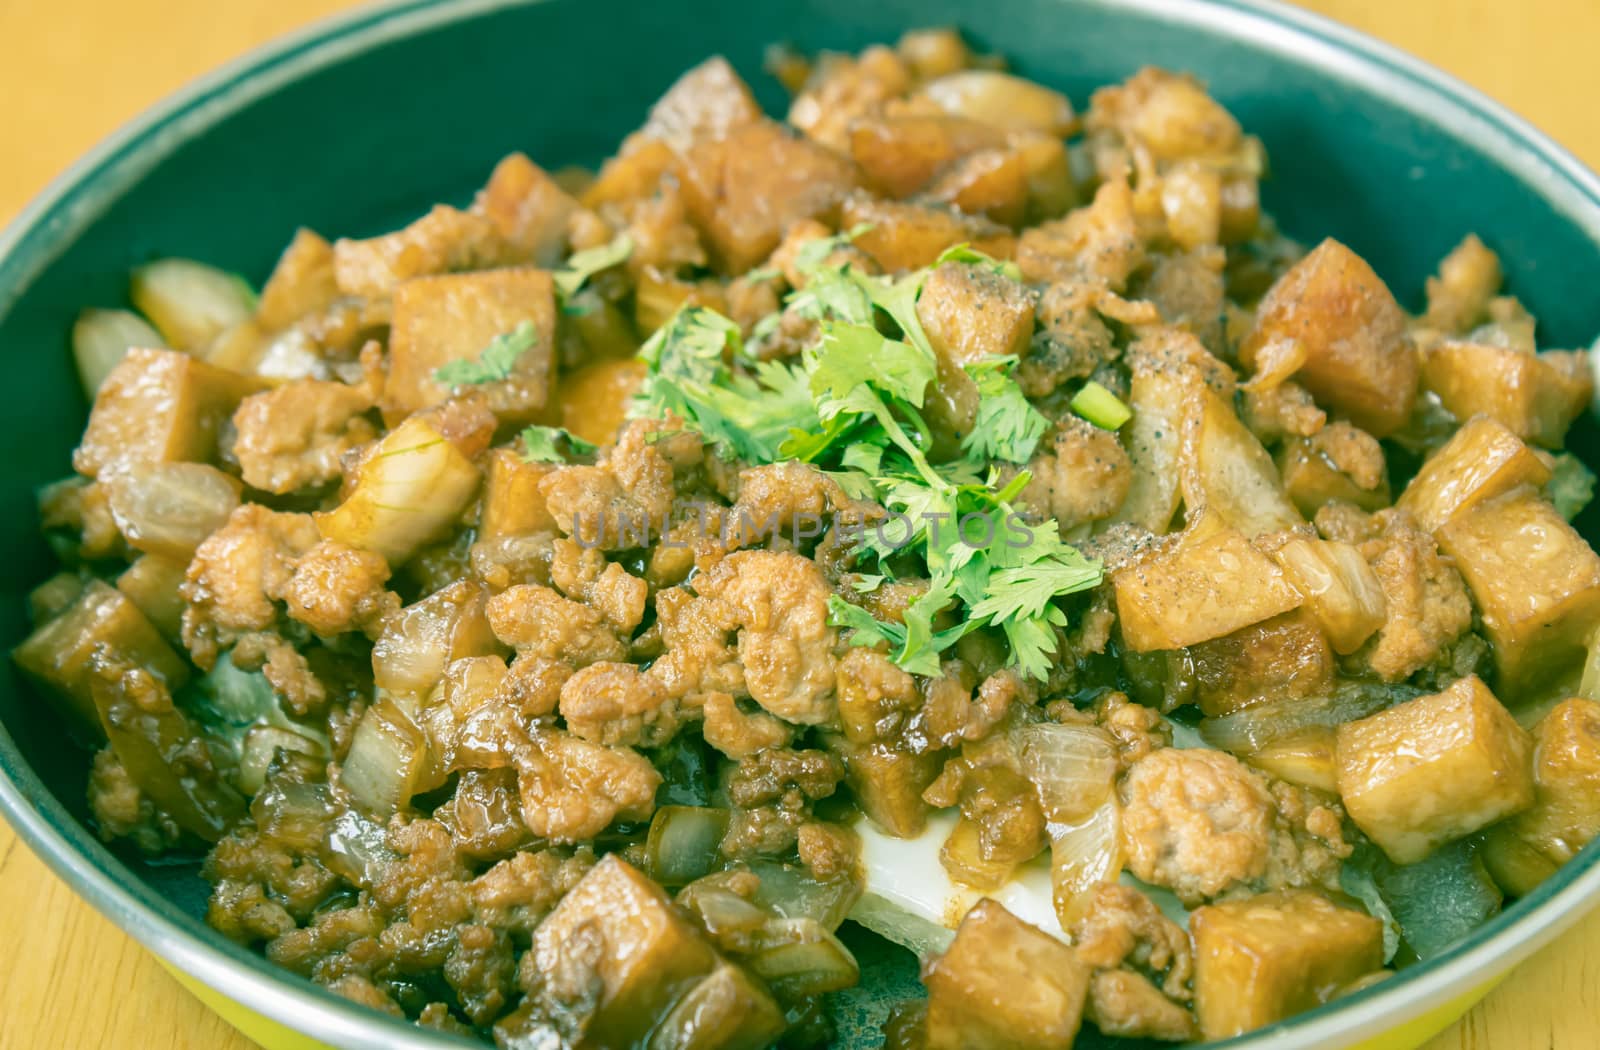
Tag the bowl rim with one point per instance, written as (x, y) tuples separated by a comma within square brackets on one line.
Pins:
[(75, 199)]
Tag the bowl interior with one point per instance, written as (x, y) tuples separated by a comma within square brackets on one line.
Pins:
[(356, 131)]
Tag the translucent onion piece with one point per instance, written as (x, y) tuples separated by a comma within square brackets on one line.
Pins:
[(260, 746), (1002, 100), (101, 338), (792, 892), (1340, 589), (189, 302), (683, 841), (1082, 856), (357, 849), (409, 492), (799, 959), (170, 508), (388, 759), (410, 655), (1254, 728), (1072, 766)]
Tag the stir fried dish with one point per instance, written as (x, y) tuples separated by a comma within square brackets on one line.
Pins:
[(943, 509)]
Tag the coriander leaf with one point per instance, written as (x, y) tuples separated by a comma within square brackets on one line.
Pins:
[(966, 253), (865, 628), (1101, 407), (494, 362), (866, 583), (1033, 643), (1007, 427), (917, 654), (745, 415), (852, 356), (539, 445), (585, 264), (812, 253), (1571, 485), (1027, 590)]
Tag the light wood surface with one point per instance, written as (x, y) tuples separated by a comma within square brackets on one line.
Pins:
[(73, 70)]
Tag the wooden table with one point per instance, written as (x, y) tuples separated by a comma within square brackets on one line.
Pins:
[(72, 70)]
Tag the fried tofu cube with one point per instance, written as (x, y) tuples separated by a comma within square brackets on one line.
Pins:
[(744, 190), (888, 784), (1534, 580), (1286, 657), (905, 235), (58, 653), (512, 505), (159, 406), (528, 208), (1536, 396), (1480, 461), (1341, 589), (444, 240), (1522, 852), (1003, 985), (300, 284), (1433, 769), (152, 583), (1205, 584), (454, 317), (1359, 359), (1264, 958), (641, 957), (901, 153), (729, 1010), (707, 102), (972, 313)]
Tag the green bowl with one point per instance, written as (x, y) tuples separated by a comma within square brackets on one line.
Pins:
[(360, 122)]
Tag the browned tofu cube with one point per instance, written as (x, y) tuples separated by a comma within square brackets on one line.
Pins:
[(1359, 360), (454, 317), (1521, 852), (159, 406), (1265, 958), (444, 240), (528, 208), (744, 190), (972, 313), (1480, 461), (1433, 769), (905, 235), (57, 653), (1286, 657), (1536, 396), (595, 396), (1340, 587), (1003, 985), (729, 1010), (512, 505), (1458, 298), (1534, 580), (301, 283), (645, 955), (152, 583), (1202, 585), (707, 102), (900, 154), (888, 784)]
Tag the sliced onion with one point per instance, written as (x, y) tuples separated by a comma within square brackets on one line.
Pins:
[(357, 849), (1082, 856), (189, 302), (388, 760), (1071, 766), (409, 492), (799, 959), (411, 654), (683, 841), (1003, 101), (260, 746), (292, 812), (100, 340), (792, 892), (169, 508), (1254, 728)]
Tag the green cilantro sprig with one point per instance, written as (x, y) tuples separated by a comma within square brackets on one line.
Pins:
[(494, 363), (542, 445), (852, 407), (582, 266)]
